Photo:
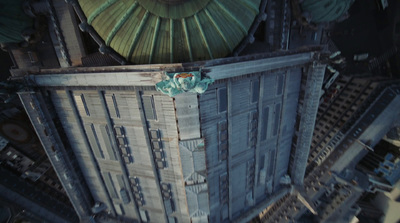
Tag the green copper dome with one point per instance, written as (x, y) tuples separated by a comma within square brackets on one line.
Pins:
[(166, 31), (325, 10), (13, 21)]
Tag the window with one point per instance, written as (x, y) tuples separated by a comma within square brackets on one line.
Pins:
[(223, 140), (223, 135), (124, 196), (223, 187), (255, 91), (110, 185), (115, 106), (119, 209), (264, 127), (143, 215), (271, 164), (277, 118), (138, 196), (148, 107), (112, 106), (160, 164), (94, 141), (157, 145), (250, 174), (107, 140), (81, 104), (279, 89), (222, 100), (119, 131), (154, 134), (222, 125), (169, 206)]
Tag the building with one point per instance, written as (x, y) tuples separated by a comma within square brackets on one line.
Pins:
[(346, 129), (124, 151), (30, 188), (220, 156)]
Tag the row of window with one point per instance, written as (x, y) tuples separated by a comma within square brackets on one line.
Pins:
[(250, 166), (223, 188), (253, 126), (254, 96), (223, 140), (157, 148), (167, 198), (137, 191), (125, 150), (112, 106)]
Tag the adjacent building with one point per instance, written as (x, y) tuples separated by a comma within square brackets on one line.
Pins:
[(351, 120)]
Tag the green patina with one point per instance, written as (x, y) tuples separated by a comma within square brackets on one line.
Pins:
[(177, 83), (325, 10), (165, 31), (13, 21)]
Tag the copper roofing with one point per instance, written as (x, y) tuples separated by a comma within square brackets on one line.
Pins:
[(325, 10), (13, 21), (166, 31)]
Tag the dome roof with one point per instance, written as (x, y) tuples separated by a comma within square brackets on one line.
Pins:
[(166, 31), (325, 10), (13, 21)]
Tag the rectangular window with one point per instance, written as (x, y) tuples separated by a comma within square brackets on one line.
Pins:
[(143, 215), (264, 127), (255, 91), (271, 164), (94, 141), (223, 136), (222, 100), (124, 196), (279, 89), (223, 187), (112, 105), (121, 142), (222, 125), (157, 145), (160, 164), (106, 137), (250, 174), (158, 155), (172, 220), (277, 118), (148, 107), (155, 134), (81, 104), (120, 181), (122, 209), (169, 206), (116, 106), (110, 185)]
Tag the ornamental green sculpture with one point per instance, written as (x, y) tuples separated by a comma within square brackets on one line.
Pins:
[(176, 83)]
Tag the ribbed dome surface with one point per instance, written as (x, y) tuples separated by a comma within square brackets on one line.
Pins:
[(166, 31), (13, 21), (326, 10)]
